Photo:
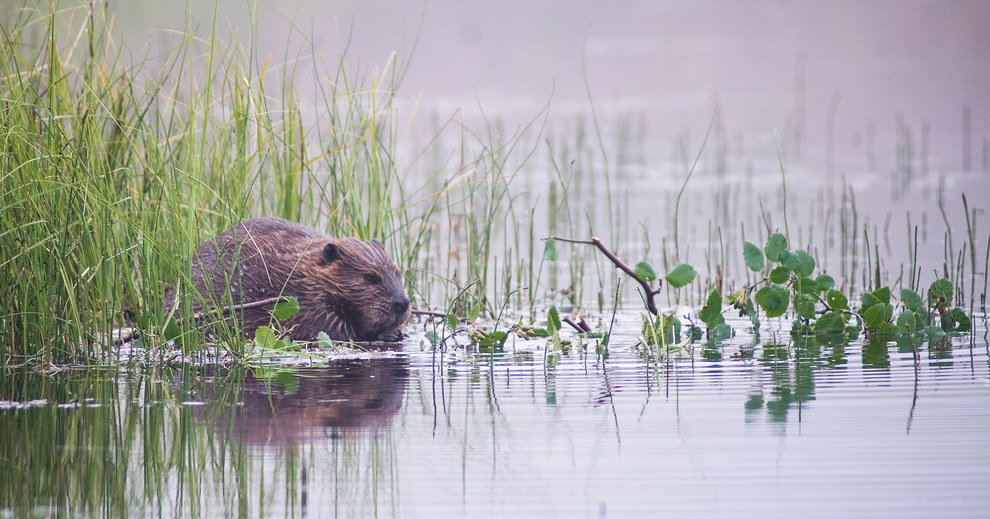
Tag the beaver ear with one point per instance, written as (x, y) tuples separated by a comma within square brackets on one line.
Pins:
[(330, 253), (378, 244)]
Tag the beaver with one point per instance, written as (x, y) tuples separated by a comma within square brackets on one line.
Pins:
[(347, 288)]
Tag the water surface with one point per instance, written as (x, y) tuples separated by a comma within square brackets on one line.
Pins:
[(736, 429)]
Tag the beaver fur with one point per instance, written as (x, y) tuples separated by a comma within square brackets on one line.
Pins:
[(348, 288)]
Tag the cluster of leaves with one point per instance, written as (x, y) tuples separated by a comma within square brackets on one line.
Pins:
[(821, 308)]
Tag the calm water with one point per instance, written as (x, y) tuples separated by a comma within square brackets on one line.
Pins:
[(803, 429), (887, 97)]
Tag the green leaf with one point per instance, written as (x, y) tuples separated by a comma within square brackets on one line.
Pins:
[(681, 275), (912, 301), (875, 315), (753, 256), (788, 259), (883, 295), (773, 299), (805, 263), (286, 309), (265, 338), (539, 332), (804, 305), (906, 322), (806, 285), (711, 313), (934, 334), (780, 275), (836, 300), (492, 342), (776, 245), (475, 312), (830, 322), (868, 300), (645, 272), (451, 322), (324, 340), (553, 320), (550, 249), (172, 330), (940, 293), (962, 320), (751, 312), (433, 338), (825, 282)]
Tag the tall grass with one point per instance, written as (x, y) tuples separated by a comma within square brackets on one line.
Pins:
[(114, 171)]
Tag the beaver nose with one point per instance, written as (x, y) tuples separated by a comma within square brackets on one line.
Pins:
[(400, 305)]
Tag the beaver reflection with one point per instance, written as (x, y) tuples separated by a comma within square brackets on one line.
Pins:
[(311, 403)]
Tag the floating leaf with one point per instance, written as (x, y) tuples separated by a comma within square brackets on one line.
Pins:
[(753, 256), (711, 313), (780, 274), (286, 309), (776, 245), (825, 282), (550, 249), (681, 275), (940, 293), (773, 299), (645, 272)]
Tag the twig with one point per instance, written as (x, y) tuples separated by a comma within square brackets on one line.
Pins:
[(619, 264), (244, 306), (429, 313)]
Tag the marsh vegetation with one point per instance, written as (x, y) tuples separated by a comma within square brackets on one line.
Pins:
[(572, 274)]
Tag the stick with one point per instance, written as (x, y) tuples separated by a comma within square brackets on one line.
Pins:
[(619, 264)]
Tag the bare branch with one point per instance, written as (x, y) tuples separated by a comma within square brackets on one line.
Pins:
[(648, 291)]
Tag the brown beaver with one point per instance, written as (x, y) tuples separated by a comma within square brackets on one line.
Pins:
[(348, 288)]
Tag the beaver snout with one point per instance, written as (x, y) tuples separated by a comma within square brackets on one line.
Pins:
[(400, 304)]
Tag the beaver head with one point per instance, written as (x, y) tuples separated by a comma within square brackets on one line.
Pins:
[(362, 286)]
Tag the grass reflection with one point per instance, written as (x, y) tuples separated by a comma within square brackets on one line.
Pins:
[(197, 441)]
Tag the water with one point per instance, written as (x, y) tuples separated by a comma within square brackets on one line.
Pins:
[(740, 429), (806, 429)]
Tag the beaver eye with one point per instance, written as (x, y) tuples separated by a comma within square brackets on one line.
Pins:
[(372, 279)]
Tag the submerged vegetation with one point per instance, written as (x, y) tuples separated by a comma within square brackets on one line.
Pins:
[(112, 171)]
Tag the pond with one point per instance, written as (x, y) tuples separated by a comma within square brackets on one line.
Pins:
[(679, 134), (738, 428)]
